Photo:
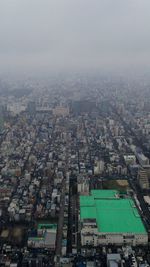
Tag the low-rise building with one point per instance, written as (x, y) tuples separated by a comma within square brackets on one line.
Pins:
[(106, 218)]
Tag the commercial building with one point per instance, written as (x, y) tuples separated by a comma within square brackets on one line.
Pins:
[(143, 178), (46, 237), (113, 260), (108, 218), (142, 159), (61, 111)]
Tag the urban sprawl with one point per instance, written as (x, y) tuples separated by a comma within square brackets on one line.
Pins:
[(75, 172)]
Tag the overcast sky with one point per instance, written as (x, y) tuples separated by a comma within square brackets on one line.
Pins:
[(45, 35)]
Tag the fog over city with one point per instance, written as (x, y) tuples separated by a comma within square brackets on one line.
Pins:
[(74, 133), (60, 35)]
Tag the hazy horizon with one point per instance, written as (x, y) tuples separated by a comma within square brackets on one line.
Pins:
[(63, 35)]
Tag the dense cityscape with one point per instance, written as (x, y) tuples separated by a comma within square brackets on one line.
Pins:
[(75, 171)]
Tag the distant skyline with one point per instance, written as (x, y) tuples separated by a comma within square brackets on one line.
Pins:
[(60, 35)]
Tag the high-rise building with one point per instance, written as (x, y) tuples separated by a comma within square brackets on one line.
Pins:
[(143, 178)]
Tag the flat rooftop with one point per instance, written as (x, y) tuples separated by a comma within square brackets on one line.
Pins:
[(112, 214), (47, 226)]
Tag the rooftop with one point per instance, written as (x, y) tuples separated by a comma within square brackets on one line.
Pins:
[(112, 214), (104, 193), (47, 226)]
